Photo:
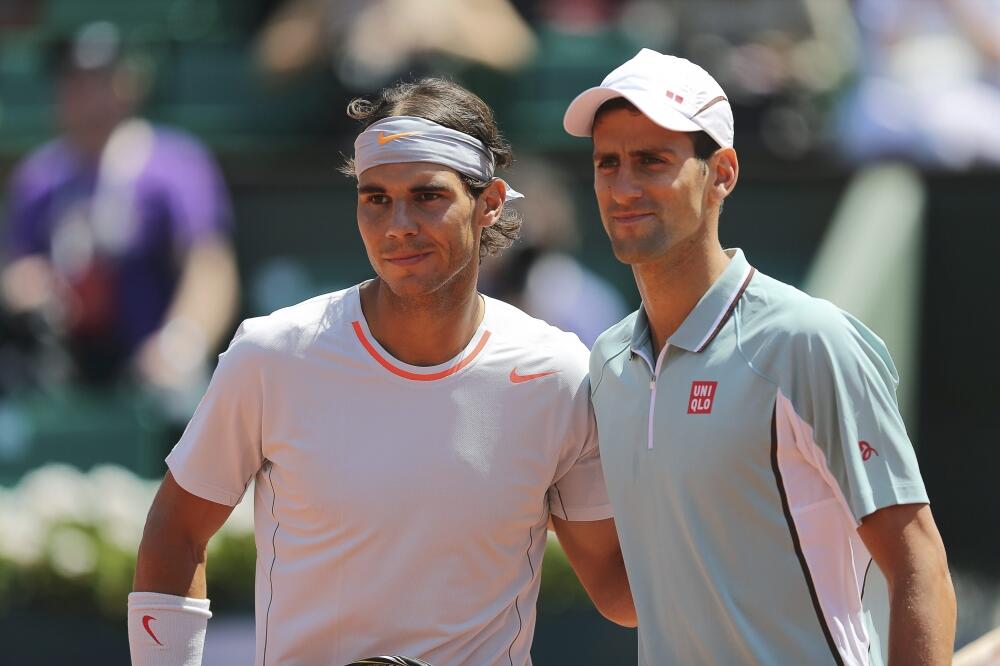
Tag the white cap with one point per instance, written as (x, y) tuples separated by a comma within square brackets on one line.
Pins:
[(672, 92)]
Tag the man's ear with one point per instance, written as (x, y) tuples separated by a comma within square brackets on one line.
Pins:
[(725, 171), (490, 205)]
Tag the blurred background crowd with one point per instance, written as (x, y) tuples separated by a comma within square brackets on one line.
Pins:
[(169, 167)]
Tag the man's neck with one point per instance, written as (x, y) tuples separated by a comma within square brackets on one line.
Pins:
[(422, 331), (671, 288)]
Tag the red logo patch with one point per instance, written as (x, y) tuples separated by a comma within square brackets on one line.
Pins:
[(867, 450), (674, 96), (702, 395), (146, 619)]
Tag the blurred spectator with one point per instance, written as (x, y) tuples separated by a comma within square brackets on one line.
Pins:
[(578, 16), (778, 60), (373, 41), (540, 273), (930, 85), (117, 230), (19, 13)]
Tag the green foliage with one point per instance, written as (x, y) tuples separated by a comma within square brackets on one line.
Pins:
[(560, 588), (232, 560)]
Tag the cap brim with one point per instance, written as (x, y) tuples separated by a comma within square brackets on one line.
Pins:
[(579, 117)]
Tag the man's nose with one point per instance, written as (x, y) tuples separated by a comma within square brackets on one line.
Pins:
[(624, 187), (401, 223)]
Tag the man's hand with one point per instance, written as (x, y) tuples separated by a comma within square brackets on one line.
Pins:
[(905, 544), (29, 283)]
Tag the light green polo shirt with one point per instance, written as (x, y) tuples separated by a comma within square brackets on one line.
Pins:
[(739, 464)]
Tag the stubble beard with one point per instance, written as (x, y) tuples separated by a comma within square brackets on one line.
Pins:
[(636, 249), (438, 291)]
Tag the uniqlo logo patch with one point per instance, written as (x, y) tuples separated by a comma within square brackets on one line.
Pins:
[(702, 396)]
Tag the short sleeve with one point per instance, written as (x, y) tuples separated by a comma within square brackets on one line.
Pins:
[(220, 450), (842, 383), (579, 493), (193, 190)]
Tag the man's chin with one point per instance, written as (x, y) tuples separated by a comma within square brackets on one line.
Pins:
[(410, 286), (406, 287), (629, 253), (427, 282)]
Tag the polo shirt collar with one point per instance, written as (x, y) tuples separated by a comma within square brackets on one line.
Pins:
[(708, 317)]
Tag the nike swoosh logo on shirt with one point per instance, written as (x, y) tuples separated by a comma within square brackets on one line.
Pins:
[(384, 138), (520, 379)]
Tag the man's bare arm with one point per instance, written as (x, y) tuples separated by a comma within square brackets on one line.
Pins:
[(905, 544), (172, 553), (198, 318), (595, 555)]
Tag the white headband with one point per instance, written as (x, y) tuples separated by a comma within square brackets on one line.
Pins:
[(410, 139)]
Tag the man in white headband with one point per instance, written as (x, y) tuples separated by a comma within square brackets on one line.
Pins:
[(754, 454), (410, 439)]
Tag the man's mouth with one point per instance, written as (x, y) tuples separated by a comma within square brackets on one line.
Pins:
[(627, 217), (406, 258)]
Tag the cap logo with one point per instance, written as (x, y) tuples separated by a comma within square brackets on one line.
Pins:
[(674, 96)]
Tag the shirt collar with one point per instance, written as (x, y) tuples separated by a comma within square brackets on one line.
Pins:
[(708, 317)]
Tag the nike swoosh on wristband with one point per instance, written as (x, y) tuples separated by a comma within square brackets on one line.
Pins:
[(520, 379), (384, 138), (145, 625)]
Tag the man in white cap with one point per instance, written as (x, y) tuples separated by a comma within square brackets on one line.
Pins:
[(754, 454), (409, 438)]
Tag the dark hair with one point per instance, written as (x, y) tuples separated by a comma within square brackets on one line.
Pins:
[(704, 145), (449, 104)]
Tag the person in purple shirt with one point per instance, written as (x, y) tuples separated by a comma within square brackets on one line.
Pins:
[(117, 230)]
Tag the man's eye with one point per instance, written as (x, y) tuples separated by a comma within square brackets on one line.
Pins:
[(428, 196), (651, 159), (607, 163), (377, 199)]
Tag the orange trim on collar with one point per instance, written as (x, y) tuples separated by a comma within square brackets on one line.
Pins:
[(406, 374)]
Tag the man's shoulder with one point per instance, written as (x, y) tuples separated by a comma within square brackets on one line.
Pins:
[(174, 142), (778, 311), (513, 322), (615, 338), (292, 329), (534, 336), (783, 326), (175, 158), (44, 166)]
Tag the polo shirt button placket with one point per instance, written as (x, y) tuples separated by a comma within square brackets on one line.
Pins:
[(652, 393)]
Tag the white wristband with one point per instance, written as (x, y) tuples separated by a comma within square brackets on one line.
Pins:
[(166, 630)]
